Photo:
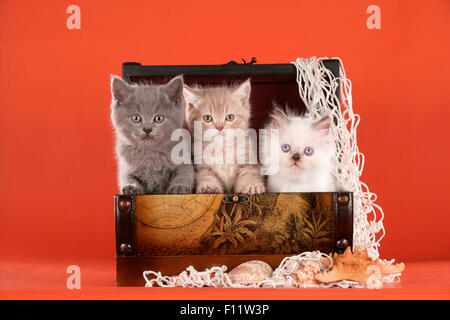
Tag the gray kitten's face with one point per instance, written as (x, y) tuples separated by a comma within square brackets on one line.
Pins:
[(147, 113)]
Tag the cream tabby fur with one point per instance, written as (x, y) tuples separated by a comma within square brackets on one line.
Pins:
[(227, 109)]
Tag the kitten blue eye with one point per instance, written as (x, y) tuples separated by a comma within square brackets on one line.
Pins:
[(285, 147), (308, 151)]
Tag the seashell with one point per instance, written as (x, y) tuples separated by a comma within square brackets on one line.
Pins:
[(250, 272), (306, 272), (357, 266)]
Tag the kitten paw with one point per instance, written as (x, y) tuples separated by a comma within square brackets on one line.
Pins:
[(209, 188), (131, 190), (153, 185), (178, 189), (253, 188)]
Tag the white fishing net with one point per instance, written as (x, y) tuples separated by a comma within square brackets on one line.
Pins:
[(217, 277), (282, 277), (318, 89)]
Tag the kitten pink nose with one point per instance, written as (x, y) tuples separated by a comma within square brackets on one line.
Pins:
[(296, 157), (219, 126)]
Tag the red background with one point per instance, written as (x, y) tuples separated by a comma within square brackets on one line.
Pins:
[(57, 167)]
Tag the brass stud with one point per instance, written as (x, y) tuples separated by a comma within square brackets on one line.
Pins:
[(125, 248), (343, 199), (235, 198), (124, 204), (341, 245)]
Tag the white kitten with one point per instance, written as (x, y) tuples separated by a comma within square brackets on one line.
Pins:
[(306, 154)]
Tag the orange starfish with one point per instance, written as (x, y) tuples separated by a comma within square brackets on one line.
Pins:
[(357, 266)]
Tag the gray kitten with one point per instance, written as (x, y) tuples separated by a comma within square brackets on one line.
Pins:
[(144, 117)]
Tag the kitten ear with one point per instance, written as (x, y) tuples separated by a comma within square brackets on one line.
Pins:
[(120, 90), (174, 89), (242, 92), (323, 125), (278, 116), (192, 97)]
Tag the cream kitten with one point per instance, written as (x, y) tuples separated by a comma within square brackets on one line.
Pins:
[(306, 154), (223, 110)]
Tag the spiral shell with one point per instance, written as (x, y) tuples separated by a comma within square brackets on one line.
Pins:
[(306, 272), (250, 272)]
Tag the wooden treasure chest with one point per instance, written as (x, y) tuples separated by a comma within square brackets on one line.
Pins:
[(168, 233)]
